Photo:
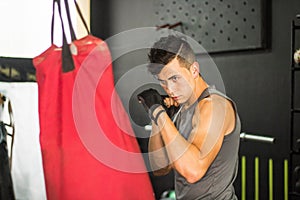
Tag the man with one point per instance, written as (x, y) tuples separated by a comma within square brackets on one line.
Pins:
[(201, 143)]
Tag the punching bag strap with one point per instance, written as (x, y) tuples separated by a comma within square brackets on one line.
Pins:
[(73, 36), (67, 60), (80, 15)]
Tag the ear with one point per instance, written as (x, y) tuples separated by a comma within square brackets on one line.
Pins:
[(194, 69)]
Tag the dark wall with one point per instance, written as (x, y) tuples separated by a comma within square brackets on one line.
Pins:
[(260, 83), (258, 80), (100, 19)]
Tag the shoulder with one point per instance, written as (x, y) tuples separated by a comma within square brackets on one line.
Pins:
[(215, 102), (215, 109)]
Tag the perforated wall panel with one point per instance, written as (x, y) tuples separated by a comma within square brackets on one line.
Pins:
[(218, 25)]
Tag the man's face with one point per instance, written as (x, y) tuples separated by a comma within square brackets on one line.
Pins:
[(177, 81)]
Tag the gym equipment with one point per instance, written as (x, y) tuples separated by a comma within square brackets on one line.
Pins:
[(257, 138), (71, 168)]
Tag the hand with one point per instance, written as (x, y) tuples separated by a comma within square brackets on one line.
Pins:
[(170, 105), (150, 98)]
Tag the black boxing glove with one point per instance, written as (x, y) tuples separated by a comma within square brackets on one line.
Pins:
[(150, 99)]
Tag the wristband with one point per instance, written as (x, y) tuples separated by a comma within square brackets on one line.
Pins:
[(151, 110), (157, 115)]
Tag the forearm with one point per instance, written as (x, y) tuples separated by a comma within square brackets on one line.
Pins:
[(174, 143), (179, 150), (183, 155), (157, 153)]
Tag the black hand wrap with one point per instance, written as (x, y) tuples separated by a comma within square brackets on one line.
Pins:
[(151, 99)]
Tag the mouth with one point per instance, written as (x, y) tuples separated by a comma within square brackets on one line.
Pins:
[(175, 98)]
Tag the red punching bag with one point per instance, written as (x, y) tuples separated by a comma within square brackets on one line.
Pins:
[(88, 146)]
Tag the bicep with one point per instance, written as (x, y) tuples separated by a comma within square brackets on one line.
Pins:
[(209, 127)]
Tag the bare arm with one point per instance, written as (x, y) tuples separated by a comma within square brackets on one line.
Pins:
[(192, 158), (158, 157)]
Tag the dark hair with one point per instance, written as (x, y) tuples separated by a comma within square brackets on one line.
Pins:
[(166, 49)]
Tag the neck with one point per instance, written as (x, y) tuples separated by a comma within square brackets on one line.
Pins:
[(200, 86)]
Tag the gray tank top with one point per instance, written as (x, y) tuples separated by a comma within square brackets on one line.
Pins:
[(217, 183)]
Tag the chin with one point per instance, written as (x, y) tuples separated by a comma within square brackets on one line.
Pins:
[(180, 101)]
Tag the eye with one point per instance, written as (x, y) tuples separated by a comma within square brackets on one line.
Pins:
[(162, 82), (175, 78)]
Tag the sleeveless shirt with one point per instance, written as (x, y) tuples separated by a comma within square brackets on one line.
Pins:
[(217, 183)]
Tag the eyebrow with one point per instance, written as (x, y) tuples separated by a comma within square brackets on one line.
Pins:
[(168, 78)]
